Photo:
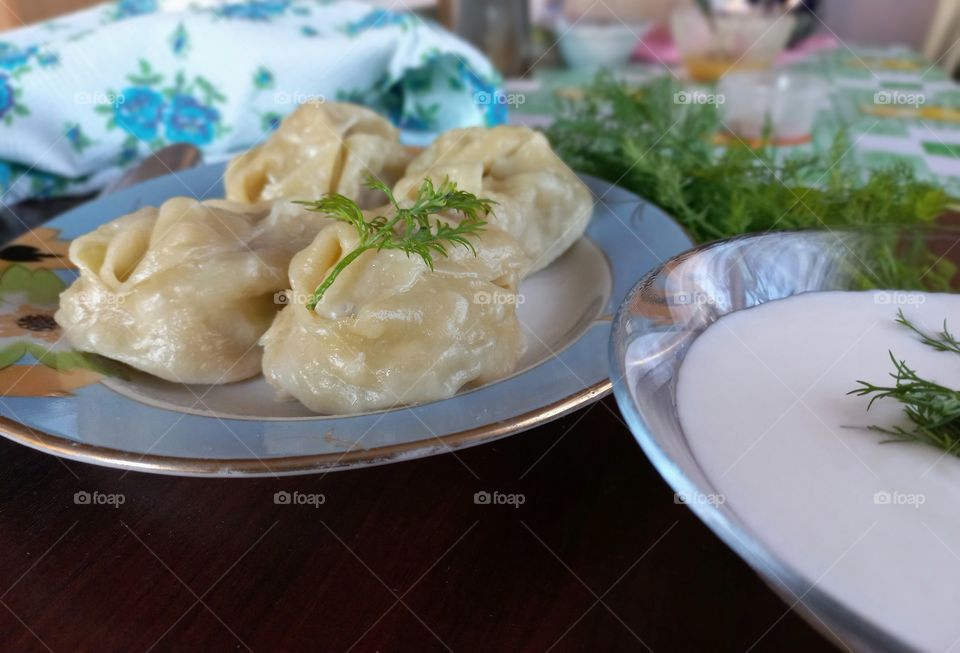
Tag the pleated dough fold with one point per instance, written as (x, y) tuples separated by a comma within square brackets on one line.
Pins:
[(185, 291), (389, 331), (540, 201), (320, 148)]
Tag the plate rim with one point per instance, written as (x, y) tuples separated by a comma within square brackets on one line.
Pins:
[(294, 465)]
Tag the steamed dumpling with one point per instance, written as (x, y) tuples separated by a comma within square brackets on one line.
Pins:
[(320, 148), (540, 201), (389, 331), (185, 291)]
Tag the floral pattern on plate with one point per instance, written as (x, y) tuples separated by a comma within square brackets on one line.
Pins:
[(34, 360)]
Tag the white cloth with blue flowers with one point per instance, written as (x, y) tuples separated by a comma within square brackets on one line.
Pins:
[(84, 96)]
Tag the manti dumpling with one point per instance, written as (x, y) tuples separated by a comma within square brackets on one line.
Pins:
[(540, 201), (185, 291), (320, 148), (389, 331)]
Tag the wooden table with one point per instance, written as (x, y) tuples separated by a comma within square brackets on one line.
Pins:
[(398, 558)]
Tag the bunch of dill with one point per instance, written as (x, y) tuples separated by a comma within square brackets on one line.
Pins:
[(664, 151)]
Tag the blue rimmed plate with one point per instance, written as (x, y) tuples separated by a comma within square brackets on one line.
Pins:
[(68, 404)]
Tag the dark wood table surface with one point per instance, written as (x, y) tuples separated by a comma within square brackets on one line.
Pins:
[(598, 557), (398, 558)]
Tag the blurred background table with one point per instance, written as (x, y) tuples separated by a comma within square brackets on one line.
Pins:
[(862, 89)]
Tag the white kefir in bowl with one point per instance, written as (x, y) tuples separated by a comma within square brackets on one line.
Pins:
[(762, 397)]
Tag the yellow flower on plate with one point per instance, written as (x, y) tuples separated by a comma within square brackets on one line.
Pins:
[(34, 360), (32, 321)]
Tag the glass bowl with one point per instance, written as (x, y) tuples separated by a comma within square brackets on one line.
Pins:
[(729, 41), (591, 45), (671, 306), (785, 100)]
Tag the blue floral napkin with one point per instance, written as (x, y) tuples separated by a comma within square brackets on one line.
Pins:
[(84, 96)]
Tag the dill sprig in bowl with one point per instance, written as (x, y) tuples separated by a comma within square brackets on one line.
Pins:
[(932, 409)]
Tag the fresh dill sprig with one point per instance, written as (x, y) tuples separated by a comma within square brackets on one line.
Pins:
[(409, 229), (933, 409), (941, 341)]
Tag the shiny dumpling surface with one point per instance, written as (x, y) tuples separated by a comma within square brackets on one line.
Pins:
[(320, 148), (540, 201), (389, 331), (184, 291)]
